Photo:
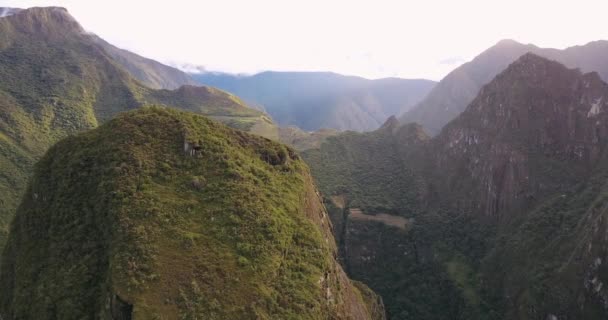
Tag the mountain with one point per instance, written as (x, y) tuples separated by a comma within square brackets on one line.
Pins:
[(316, 100), (454, 92), (151, 73), (57, 81), (164, 214), (500, 216)]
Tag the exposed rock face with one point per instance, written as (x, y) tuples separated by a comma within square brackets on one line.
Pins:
[(506, 207), (535, 117), (119, 232), (453, 93)]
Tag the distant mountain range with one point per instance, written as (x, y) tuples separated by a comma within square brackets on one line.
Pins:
[(316, 100), (454, 92)]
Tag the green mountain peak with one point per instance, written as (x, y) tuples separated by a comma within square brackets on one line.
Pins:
[(165, 214)]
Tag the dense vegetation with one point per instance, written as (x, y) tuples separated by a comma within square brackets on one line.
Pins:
[(425, 272), (371, 169), (506, 207), (178, 217), (57, 81)]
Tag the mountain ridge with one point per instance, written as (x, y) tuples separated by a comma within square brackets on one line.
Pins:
[(316, 100), (456, 90), (150, 72), (58, 82)]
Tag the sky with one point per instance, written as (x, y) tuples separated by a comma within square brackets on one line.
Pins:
[(368, 38)]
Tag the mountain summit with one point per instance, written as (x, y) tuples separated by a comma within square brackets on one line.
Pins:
[(536, 114), (454, 92), (166, 214)]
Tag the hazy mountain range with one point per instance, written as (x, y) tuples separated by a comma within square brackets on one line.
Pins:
[(316, 100)]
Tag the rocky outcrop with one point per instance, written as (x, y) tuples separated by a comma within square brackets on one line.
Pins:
[(524, 127)]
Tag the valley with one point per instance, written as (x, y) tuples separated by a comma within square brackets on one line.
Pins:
[(484, 195)]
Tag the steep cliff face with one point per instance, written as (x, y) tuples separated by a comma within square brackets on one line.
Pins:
[(504, 210), (374, 194), (457, 90), (535, 129), (166, 214)]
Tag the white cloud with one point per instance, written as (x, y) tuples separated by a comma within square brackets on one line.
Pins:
[(372, 38)]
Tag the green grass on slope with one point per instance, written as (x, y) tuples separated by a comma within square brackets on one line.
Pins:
[(123, 210), (57, 82)]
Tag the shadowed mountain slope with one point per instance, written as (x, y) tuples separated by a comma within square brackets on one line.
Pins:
[(505, 208)]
